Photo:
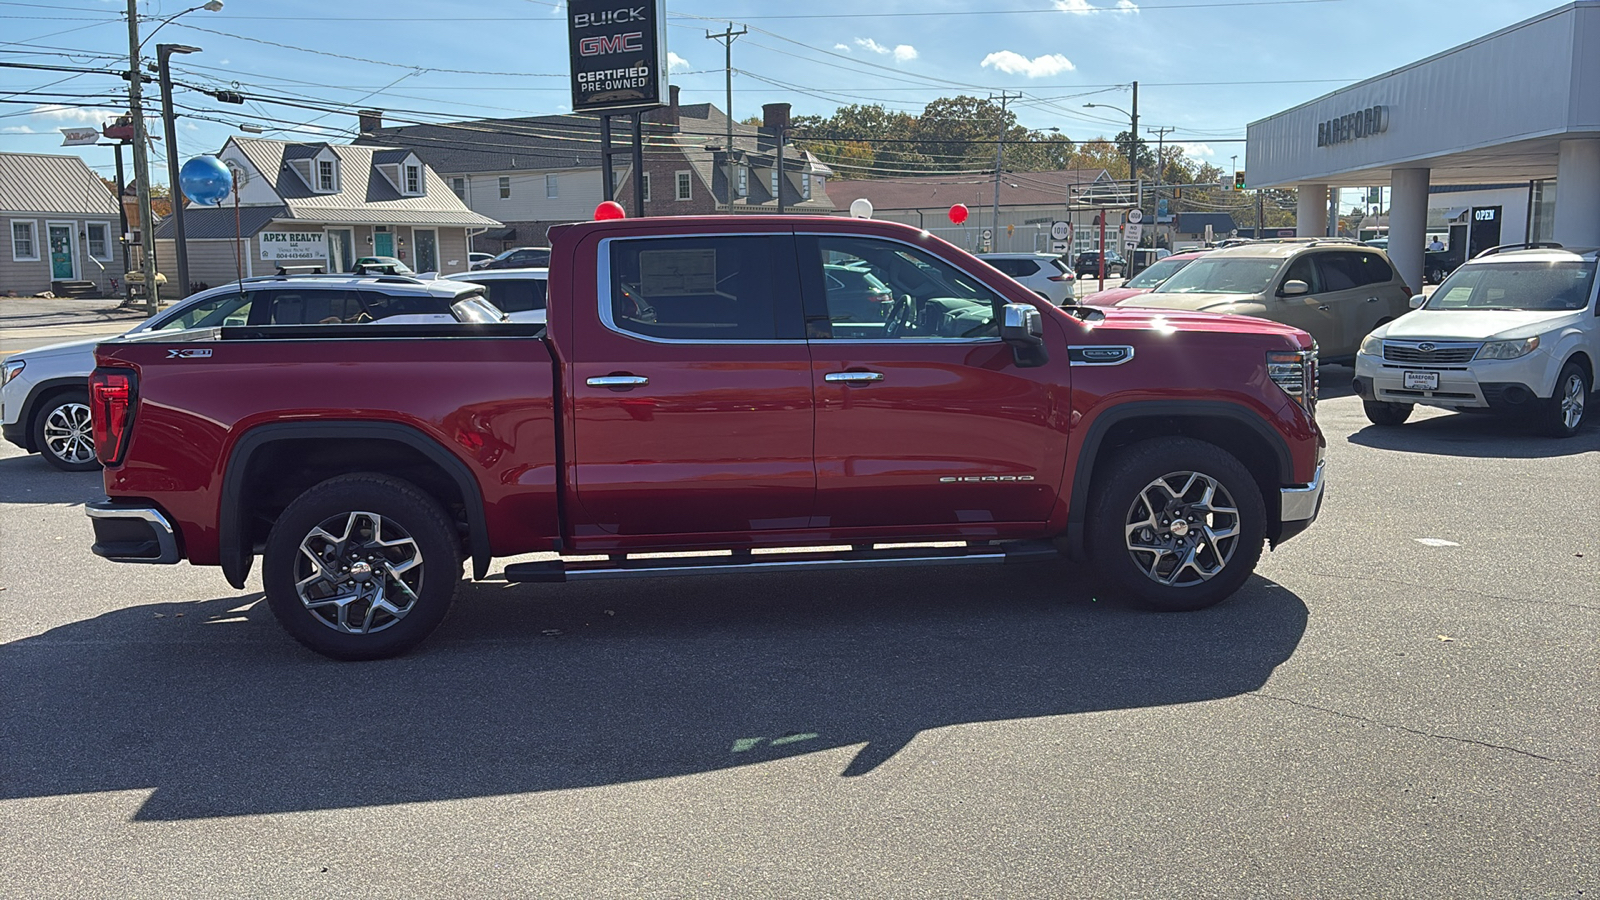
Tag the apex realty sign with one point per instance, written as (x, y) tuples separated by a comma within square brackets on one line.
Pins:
[(294, 245), (619, 54)]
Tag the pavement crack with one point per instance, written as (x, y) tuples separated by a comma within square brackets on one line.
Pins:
[(1408, 730), (1457, 590)]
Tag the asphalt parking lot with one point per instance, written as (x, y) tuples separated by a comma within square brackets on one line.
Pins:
[(1401, 704)]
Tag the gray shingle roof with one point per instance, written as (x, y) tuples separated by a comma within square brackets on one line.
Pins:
[(364, 196), (497, 145), (48, 183)]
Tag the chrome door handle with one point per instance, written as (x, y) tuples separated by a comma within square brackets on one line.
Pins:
[(1372, 299), (1323, 308), (853, 377), (618, 382)]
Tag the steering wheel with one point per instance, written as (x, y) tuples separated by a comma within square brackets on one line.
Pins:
[(899, 318)]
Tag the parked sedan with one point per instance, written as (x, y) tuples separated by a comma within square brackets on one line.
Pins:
[(1153, 276), (1087, 265), (521, 258)]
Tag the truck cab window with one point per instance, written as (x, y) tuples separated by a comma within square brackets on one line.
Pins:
[(697, 289), (885, 290)]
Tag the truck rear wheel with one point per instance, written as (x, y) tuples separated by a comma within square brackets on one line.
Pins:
[(361, 567), (1176, 524)]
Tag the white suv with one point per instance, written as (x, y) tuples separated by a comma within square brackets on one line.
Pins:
[(44, 393), (1043, 273), (1514, 331)]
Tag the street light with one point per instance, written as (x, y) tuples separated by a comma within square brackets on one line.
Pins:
[(141, 157), (1133, 130), (180, 237)]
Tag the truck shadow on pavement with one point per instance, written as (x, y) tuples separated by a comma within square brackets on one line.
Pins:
[(1476, 435), (542, 688)]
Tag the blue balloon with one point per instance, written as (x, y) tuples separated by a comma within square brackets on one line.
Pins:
[(205, 180)]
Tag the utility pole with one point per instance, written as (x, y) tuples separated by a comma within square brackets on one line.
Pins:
[(727, 38), (180, 237), (1133, 145), (1161, 147), (999, 158), (141, 166)]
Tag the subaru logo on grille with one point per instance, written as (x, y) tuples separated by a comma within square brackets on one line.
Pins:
[(1427, 347)]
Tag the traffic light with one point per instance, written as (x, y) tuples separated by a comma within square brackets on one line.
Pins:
[(1238, 180)]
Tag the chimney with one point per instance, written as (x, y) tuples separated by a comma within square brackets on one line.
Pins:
[(775, 116), (371, 120), (666, 115)]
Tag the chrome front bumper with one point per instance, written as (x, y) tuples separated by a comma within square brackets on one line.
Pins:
[(1301, 504), (131, 533)]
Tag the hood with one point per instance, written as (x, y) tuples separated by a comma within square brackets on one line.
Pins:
[(1478, 324), (64, 349), (1161, 300), (1111, 296), (1142, 319)]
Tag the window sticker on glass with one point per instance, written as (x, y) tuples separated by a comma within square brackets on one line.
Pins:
[(678, 273)]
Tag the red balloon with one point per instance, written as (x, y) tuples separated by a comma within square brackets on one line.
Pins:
[(608, 210), (958, 213)]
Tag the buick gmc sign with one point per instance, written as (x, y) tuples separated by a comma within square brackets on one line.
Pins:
[(619, 54)]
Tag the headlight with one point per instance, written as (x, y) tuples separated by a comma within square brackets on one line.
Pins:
[(1508, 349), (10, 369), (1372, 346)]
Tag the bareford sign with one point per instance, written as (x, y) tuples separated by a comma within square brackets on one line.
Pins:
[(1359, 124), (302, 245), (619, 54)]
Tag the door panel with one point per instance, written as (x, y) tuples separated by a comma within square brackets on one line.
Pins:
[(62, 259), (383, 243), (923, 419), (691, 390), (1313, 313), (1361, 291)]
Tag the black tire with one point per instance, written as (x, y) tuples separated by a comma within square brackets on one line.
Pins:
[(345, 507), (1564, 413), (1380, 412), (1435, 276), (1161, 579), (64, 433)]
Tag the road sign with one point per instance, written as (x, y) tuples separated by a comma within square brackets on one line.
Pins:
[(1132, 233), (1060, 231), (987, 234), (1135, 216), (78, 137), (1058, 246)]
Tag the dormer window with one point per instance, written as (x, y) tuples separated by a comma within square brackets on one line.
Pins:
[(744, 181), (327, 176), (413, 179)]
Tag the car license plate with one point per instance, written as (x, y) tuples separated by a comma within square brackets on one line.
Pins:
[(1421, 381)]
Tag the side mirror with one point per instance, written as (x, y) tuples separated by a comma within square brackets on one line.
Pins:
[(1294, 287), (1022, 327), (1417, 300)]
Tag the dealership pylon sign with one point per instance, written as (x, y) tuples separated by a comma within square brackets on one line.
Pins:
[(619, 54)]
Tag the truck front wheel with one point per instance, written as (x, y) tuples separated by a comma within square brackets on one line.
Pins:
[(361, 567), (1176, 524)]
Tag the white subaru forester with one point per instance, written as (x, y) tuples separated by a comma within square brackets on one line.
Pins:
[(1512, 331)]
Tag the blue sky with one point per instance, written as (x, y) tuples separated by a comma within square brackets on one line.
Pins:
[(1205, 67)]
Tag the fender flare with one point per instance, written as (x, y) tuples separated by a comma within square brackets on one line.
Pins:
[(30, 405), (235, 558), (1096, 432)]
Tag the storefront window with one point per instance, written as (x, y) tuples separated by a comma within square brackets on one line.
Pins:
[(1542, 212)]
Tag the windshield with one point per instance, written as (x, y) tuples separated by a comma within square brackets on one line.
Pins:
[(1223, 275), (1157, 273), (1530, 285)]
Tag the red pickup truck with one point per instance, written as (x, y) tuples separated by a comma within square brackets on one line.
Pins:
[(709, 384)]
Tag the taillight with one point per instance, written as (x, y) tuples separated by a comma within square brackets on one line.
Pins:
[(1062, 277), (1295, 371), (112, 393)]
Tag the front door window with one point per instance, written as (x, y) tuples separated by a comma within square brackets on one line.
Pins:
[(341, 250), (427, 250), (61, 267)]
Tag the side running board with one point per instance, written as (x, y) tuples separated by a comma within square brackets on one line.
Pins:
[(561, 570)]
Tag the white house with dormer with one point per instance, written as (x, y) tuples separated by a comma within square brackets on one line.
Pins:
[(322, 205)]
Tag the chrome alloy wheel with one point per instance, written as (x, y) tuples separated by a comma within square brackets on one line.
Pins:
[(69, 433), (357, 573), (1182, 529), (1572, 400)]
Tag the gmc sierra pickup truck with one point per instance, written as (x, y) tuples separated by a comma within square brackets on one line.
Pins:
[(703, 384)]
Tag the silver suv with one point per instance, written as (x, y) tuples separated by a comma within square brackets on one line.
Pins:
[(1337, 290), (44, 393)]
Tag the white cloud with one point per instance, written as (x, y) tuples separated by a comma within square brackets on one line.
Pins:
[(844, 47), (901, 52), (1197, 149), (72, 113), (1084, 7), (17, 129), (1013, 63), (224, 62), (674, 62)]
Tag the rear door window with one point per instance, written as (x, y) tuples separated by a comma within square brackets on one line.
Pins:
[(704, 288), (1344, 270), (381, 305), (515, 294), (312, 307)]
